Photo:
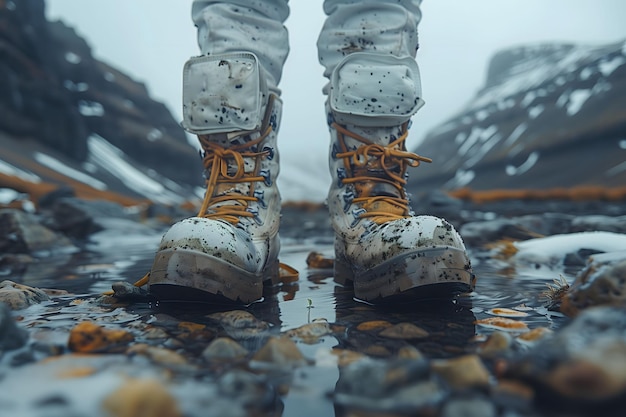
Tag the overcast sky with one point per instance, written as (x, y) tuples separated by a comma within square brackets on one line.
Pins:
[(151, 39)]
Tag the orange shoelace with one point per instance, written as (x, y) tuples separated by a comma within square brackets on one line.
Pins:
[(391, 159), (216, 161)]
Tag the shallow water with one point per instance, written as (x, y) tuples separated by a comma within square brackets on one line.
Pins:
[(451, 325)]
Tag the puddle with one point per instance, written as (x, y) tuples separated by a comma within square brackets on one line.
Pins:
[(450, 328)]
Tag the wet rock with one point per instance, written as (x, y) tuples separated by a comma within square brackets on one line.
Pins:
[(278, 352), (157, 355), (141, 397), (252, 391), (373, 325), (311, 332), (581, 367), (498, 343), (79, 218), (409, 352), (224, 348), (15, 264), (240, 324), (18, 296), (153, 333), (468, 407), (462, 373), (126, 291), (404, 331), (319, 261), (479, 233), (534, 335), (11, 336), (88, 337), (601, 283), (388, 386), (512, 394), (346, 357), (503, 323), (377, 350), (22, 233)]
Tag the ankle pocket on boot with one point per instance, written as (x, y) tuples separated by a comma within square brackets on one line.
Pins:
[(375, 90), (223, 93)]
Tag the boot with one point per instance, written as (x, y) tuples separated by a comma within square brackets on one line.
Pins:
[(232, 245), (380, 245)]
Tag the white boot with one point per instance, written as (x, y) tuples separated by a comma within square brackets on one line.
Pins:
[(380, 245), (232, 245)]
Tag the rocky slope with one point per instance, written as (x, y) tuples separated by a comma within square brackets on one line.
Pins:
[(551, 115), (67, 118)]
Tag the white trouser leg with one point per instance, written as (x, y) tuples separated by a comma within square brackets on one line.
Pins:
[(254, 26), (368, 50)]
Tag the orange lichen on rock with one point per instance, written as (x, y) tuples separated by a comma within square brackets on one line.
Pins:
[(88, 337), (503, 323), (535, 334), (367, 326), (36, 190), (506, 312), (578, 193), (504, 249)]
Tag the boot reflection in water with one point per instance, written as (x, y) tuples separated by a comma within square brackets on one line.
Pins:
[(231, 101)]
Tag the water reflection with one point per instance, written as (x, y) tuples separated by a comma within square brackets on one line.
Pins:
[(437, 329)]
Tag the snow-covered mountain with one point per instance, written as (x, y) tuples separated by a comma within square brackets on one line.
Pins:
[(549, 116)]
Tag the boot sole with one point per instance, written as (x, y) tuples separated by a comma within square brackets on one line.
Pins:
[(436, 272), (182, 274)]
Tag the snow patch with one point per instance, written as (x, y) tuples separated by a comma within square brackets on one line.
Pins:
[(586, 73), (90, 108), (481, 115), (528, 98), (109, 76), (528, 164), (89, 167), (509, 103), (461, 179), (154, 134), (535, 111), (110, 158), (608, 66), (622, 144), (72, 86), (516, 134), (60, 167), (73, 58), (8, 195), (8, 169), (576, 100), (552, 250), (478, 134), (489, 139)]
